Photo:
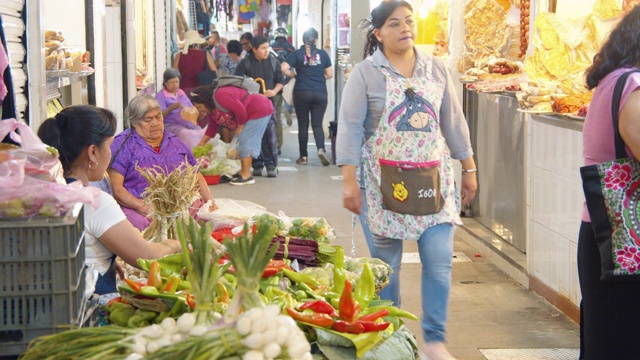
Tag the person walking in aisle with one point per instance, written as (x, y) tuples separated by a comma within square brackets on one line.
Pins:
[(608, 312), (263, 65), (282, 49), (216, 47), (403, 103), (245, 41), (312, 70)]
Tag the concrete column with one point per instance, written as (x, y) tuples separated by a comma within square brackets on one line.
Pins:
[(359, 10)]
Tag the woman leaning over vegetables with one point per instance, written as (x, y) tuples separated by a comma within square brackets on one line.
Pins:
[(83, 136)]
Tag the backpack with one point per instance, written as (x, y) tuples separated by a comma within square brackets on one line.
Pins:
[(239, 81)]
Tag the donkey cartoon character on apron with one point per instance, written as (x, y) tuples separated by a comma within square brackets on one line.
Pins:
[(406, 166)]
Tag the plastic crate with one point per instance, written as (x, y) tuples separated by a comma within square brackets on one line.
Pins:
[(41, 278)]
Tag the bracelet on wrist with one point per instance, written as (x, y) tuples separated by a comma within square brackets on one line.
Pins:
[(469, 170)]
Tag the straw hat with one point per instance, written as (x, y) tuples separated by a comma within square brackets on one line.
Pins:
[(191, 37)]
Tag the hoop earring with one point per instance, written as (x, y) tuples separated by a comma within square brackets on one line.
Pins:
[(92, 168)]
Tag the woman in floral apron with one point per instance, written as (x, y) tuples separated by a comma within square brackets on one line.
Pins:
[(401, 103)]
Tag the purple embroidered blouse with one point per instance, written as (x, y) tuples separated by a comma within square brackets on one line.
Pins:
[(135, 150), (173, 119)]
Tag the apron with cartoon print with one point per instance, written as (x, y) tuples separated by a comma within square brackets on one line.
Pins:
[(406, 166)]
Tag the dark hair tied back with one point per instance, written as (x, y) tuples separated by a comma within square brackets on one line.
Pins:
[(379, 16)]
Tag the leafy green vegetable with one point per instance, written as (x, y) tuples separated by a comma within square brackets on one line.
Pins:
[(401, 344), (199, 151)]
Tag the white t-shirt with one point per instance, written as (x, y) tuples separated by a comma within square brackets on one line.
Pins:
[(96, 223)]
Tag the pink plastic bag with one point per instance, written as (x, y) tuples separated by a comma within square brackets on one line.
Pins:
[(40, 163), (11, 171), (45, 198)]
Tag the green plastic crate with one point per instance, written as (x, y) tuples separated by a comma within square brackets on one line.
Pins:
[(41, 277)]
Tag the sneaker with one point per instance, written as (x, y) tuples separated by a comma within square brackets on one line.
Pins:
[(257, 172), (272, 173), (302, 160), (323, 157), (287, 115), (242, 181)]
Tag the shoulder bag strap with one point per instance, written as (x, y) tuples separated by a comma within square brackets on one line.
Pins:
[(621, 151)]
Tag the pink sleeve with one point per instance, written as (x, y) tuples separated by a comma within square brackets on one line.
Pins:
[(228, 99)]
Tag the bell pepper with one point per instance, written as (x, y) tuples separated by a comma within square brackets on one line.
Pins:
[(348, 307), (348, 327), (339, 275), (320, 306), (134, 285), (317, 319), (301, 278), (141, 318), (154, 279), (371, 326), (120, 313), (374, 315), (171, 285), (366, 288)]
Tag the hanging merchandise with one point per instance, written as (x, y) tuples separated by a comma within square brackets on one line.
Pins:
[(7, 95), (248, 9)]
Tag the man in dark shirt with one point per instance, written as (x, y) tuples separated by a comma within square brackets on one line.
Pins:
[(282, 49), (261, 64)]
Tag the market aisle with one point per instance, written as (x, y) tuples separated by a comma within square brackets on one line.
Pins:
[(488, 310)]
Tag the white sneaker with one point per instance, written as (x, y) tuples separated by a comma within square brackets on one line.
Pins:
[(436, 351), (323, 157)]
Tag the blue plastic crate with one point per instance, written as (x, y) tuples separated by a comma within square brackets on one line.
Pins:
[(41, 277)]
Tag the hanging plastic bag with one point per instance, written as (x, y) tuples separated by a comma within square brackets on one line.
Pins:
[(40, 162), (233, 151), (230, 213)]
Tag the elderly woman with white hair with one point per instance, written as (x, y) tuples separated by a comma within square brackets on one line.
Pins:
[(146, 144), (191, 60)]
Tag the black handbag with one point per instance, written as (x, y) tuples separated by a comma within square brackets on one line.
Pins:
[(206, 76), (612, 193)]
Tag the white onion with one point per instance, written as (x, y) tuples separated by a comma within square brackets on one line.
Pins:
[(153, 331), (138, 348), (272, 311), (297, 350), (186, 322), (272, 350), (139, 339), (253, 341), (258, 326), (152, 347), (134, 356), (283, 335), (253, 355), (243, 326), (269, 337), (169, 325), (198, 330), (176, 338)]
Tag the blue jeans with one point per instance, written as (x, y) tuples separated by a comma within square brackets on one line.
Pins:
[(435, 247)]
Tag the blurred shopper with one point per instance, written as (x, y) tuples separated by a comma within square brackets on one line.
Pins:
[(245, 41), (403, 104), (192, 60), (216, 47), (180, 116), (282, 48), (229, 62), (248, 114), (83, 135), (312, 70), (261, 64), (609, 312)]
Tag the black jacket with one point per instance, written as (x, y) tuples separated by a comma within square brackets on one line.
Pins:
[(268, 70)]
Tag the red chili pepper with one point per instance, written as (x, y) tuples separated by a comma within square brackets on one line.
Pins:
[(270, 271), (322, 320), (320, 306), (154, 279), (370, 326), (136, 286), (374, 315), (191, 301), (114, 300), (348, 327), (348, 307)]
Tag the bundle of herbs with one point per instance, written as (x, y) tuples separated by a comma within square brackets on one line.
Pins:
[(169, 196)]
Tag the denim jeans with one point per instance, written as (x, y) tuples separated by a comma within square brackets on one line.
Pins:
[(435, 247), (310, 103)]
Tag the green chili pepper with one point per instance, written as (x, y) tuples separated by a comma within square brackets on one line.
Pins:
[(166, 268), (149, 290), (366, 288), (301, 278), (393, 311), (184, 285), (339, 275), (121, 313)]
